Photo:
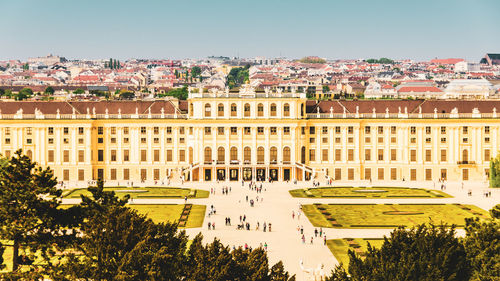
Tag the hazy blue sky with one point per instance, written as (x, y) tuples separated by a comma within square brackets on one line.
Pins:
[(417, 29)]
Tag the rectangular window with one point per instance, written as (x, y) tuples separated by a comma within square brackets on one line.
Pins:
[(112, 175), (380, 129), (393, 174), (156, 155), (273, 130), (413, 155), (113, 130), (380, 155), (66, 156), (367, 130), (144, 174), (169, 130), (125, 130), (312, 130), (428, 174), (181, 130), (427, 130), (368, 139), (80, 130), (260, 130), (350, 129), (368, 173), (169, 155), (487, 155), (220, 131), (380, 173), (312, 155), (443, 174), (443, 155), (428, 155), (113, 155), (486, 129), (413, 130), (182, 155), (50, 155), (7, 155), (350, 155), (393, 130), (50, 130), (413, 174), (65, 175), (286, 130), (393, 155), (324, 155), (324, 130), (350, 174), (65, 130), (338, 174), (144, 155), (126, 174), (338, 155), (248, 130), (143, 130), (100, 155), (156, 174), (465, 174), (126, 156), (234, 130), (81, 174), (368, 155), (156, 130), (443, 130), (465, 130), (100, 130), (337, 130)]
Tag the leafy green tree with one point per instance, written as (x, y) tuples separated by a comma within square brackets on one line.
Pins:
[(312, 60), (2, 92), (238, 76), (179, 93), (326, 89), (29, 213), (24, 93), (495, 212), (482, 244), (127, 95), (421, 253), (79, 91), (195, 71), (495, 172), (49, 91), (110, 64)]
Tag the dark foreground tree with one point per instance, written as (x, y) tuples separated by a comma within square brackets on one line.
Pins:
[(482, 244), (119, 244), (425, 253), (30, 217), (215, 261)]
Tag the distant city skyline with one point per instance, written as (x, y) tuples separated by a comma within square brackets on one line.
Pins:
[(420, 30)]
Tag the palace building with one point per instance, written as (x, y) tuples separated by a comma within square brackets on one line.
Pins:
[(255, 136)]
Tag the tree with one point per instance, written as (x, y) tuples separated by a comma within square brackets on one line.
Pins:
[(312, 60), (195, 71), (127, 95), (495, 172), (420, 253), (179, 93), (49, 91), (110, 64), (238, 76), (482, 244), (79, 91), (2, 92), (24, 93), (29, 213), (119, 244), (326, 88)]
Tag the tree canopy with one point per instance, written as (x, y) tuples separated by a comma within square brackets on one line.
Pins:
[(126, 95), (381, 60), (312, 60), (238, 76), (179, 93), (24, 93), (195, 71), (495, 172), (49, 90)]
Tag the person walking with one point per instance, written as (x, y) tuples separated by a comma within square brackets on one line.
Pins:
[(293, 215), (209, 225), (303, 239), (324, 240), (315, 232)]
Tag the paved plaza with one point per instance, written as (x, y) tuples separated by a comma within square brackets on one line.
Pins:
[(275, 206)]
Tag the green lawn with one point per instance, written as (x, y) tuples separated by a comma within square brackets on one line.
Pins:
[(339, 247), (172, 213), (144, 192), (388, 215), (368, 192)]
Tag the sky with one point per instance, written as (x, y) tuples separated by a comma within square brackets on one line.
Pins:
[(332, 29)]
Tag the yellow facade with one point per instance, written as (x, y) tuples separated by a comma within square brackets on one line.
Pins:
[(253, 137)]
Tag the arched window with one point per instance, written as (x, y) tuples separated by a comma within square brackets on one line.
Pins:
[(191, 109), (286, 154), (234, 110), (220, 110), (260, 110), (260, 155), (208, 155), (246, 110), (233, 154), (29, 154), (303, 155), (302, 110), (190, 155), (273, 110), (247, 155), (221, 155), (274, 155), (465, 155), (286, 110), (208, 110)]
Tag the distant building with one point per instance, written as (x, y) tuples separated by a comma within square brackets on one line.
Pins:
[(47, 60), (464, 66), (469, 88), (446, 61), (491, 59)]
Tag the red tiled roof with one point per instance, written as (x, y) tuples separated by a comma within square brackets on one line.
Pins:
[(419, 89)]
